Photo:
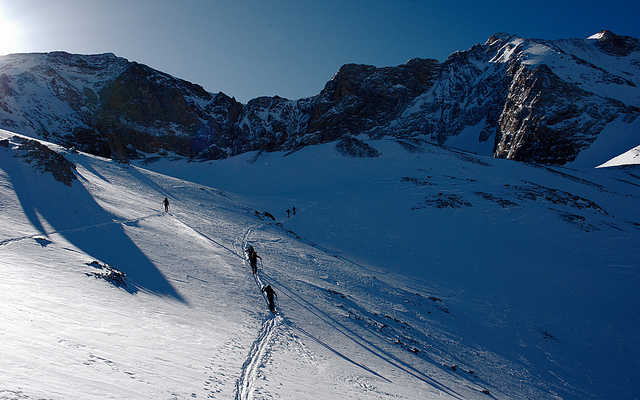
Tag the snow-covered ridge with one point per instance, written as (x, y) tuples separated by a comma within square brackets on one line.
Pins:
[(92, 70)]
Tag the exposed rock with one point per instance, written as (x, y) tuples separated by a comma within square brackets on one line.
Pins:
[(353, 147), (108, 273), (45, 159), (616, 45), (548, 121)]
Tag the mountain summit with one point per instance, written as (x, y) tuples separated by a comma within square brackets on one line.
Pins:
[(543, 101)]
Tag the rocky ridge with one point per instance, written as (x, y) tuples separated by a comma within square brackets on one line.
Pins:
[(532, 100)]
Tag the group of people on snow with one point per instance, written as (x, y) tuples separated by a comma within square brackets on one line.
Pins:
[(268, 290), (253, 261)]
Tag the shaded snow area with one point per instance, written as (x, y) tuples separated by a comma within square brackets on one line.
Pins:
[(614, 146), (423, 273)]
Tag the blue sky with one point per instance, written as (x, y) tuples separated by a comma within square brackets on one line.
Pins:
[(289, 48)]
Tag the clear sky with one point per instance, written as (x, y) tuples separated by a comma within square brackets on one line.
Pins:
[(291, 48)]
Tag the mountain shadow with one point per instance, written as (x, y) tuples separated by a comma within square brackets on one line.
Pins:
[(74, 214)]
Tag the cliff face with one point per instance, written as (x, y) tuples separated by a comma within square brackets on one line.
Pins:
[(531, 100)]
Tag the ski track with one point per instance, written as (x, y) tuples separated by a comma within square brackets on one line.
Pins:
[(260, 347), (239, 254), (80, 229), (244, 384), (249, 372)]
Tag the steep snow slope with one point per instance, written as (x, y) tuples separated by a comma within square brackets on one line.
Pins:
[(423, 273), (529, 261)]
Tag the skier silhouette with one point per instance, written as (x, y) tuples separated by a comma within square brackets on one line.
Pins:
[(288, 213), (270, 296), (253, 259), (166, 204), (294, 211)]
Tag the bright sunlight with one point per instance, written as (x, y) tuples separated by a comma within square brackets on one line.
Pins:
[(8, 36)]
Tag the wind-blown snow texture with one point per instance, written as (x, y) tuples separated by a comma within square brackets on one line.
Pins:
[(422, 273), (531, 100)]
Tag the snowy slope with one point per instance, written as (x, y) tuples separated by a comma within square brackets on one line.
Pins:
[(42, 93), (421, 274), (631, 157), (581, 62)]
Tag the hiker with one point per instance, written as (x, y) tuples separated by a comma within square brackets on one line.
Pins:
[(288, 213), (253, 259), (166, 204), (294, 211), (270, 296)]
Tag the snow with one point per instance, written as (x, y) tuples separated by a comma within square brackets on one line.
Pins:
[(469, 140), (631, 157), (597, 36), (615, 139), (582, 63), (528, 288), (536, 54)]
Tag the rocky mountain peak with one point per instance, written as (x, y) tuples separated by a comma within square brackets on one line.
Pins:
[(499, 37), (616, 45), (524, 99)]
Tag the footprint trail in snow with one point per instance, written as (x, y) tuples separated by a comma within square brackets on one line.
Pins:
[(259, 349)]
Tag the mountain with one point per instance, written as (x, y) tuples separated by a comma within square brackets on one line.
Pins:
[(422, 273), (543, 101)]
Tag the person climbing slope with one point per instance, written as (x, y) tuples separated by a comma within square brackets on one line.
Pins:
[(165, 202), (270, 297), (253, 259)]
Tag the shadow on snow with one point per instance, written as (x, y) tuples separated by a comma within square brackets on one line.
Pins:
[(74, 214), (357, 339)]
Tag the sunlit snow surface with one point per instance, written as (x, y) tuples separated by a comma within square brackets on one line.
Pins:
[(425, 273), (631, 157)]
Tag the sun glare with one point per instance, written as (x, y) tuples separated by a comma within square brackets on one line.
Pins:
[(8, 36)]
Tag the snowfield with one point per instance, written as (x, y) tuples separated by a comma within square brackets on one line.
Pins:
[(425, 273)]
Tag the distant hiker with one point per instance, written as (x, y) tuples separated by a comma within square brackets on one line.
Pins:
[(253, 259), (270, 296), (288, 213), (294, 211), (166, 204)]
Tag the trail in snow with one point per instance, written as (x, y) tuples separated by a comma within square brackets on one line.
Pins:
[(260, 347), (79, 229), (244, 385), (249, 373), (208, 238), (360, 341)]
